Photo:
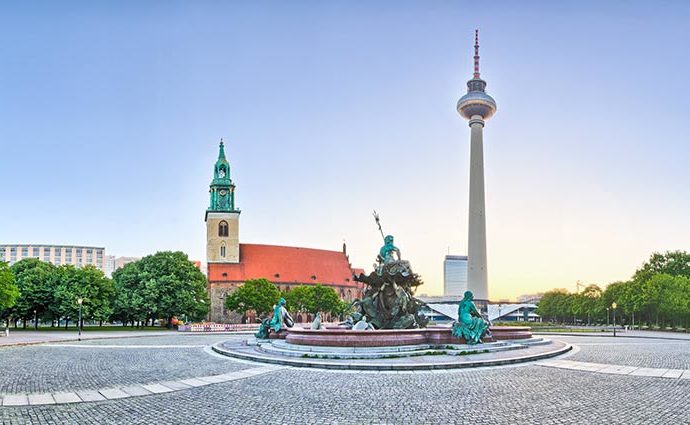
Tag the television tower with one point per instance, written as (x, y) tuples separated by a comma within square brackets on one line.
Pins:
[(477, 106)]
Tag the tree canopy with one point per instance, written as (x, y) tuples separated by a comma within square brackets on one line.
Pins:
[(313, 299), (657, 294), (162, 285), (257, 294), (8, 289)]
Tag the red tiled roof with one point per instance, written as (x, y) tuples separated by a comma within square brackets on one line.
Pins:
[(290, 264)]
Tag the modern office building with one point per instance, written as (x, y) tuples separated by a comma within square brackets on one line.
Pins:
[(454, 275), (477, 107), (113, 263), (78, 256)]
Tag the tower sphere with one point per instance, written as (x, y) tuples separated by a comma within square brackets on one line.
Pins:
[(476, 103)]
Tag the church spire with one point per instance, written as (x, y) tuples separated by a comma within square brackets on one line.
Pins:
[(221, 150), (222, 189)]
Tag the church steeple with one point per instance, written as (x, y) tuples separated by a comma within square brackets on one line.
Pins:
[(222, 218), (222, 189)]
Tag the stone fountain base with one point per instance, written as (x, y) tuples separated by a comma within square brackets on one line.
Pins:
[(399, 349)]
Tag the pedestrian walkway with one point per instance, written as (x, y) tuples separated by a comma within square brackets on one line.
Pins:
[(41, 337), (64, 397), (613, 369)]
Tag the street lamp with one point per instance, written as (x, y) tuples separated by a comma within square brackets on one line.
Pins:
[(35, 319), (79, 301), (613, 306)]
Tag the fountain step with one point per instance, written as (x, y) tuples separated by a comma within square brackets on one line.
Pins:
[(286, 350), (281, 344)]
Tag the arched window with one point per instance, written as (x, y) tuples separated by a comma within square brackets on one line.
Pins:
[(222, 250), (223, 228)]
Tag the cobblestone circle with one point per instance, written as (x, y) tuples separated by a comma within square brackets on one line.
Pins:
[(504, 395)]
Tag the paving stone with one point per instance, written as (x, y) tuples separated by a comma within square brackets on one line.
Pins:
[(176, 385), (90, 395), (66, 397), (113, 393), (157, 388), (136, 390), (38, 399), (194, 382), (673, 373), (648, 371), (15, 400)]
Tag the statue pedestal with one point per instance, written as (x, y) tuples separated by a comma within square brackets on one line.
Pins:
[(280, 335)]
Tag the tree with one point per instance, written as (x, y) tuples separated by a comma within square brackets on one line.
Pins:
[(163, 285), (674, 263), (313, 299), (35, 281), (130, 304), (298, 298), (87, 283), (556, 305), (258, 294), (325, 299), (8, 289)]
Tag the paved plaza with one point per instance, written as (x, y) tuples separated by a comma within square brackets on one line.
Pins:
[(176, 378)]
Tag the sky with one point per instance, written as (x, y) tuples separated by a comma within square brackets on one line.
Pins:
[(111, 114)]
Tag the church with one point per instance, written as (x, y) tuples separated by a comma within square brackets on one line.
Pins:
[(231, 263)]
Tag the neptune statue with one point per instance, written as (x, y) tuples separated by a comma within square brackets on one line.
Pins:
[(470, 325)]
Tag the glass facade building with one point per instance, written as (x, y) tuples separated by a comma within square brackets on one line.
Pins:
[(454, 275)]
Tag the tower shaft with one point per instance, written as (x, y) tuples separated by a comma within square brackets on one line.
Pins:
[(476, 244)]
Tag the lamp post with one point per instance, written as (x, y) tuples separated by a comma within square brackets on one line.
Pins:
[(79, 301), (35, 320), (613, 306)]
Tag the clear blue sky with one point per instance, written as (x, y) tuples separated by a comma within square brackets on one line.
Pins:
[(111, 113)]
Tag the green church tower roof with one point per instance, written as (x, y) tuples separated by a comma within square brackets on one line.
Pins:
[(222, 190)]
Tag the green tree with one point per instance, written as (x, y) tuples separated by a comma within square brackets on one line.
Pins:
[(674, 263), (87, 283), (130, 304), (556, 305), (163, 285), (8, 289), (325, 299), (258, 294), (299, 298), (35, 279), (313, 299)]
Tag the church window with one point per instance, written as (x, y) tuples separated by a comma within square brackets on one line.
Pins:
[(222, 251), (223, 228)]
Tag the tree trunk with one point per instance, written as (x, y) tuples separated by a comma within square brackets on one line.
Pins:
[(66, 322)]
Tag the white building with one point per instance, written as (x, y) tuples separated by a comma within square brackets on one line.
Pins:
[(78, 256), (454, 275)]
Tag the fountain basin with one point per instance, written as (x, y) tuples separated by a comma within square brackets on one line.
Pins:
[(435, 335)]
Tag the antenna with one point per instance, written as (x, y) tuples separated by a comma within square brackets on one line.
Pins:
[(476, 54)]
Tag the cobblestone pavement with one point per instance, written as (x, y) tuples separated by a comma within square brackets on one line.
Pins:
[(511, 395), (657, 353), (92, 365)]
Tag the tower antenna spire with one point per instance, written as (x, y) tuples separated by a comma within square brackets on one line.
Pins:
[(476, 54)]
